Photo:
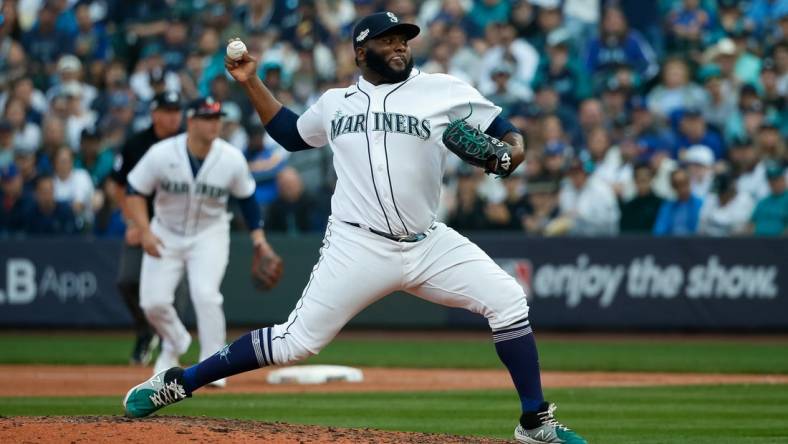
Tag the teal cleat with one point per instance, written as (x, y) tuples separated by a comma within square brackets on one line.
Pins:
[(162, 389), (543, 428)]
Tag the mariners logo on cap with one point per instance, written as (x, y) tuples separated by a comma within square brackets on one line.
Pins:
[(392, 17)]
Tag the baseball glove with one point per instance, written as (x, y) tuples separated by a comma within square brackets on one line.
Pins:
[(477, 148), (267, 268)]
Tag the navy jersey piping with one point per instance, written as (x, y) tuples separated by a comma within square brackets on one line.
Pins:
[(369, 156), (386, 151), (207, 169)]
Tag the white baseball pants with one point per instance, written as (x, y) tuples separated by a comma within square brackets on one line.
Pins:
[(204, 258), (357, 268)]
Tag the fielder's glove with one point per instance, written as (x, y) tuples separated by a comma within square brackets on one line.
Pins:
[(267, 268), (477, 148)]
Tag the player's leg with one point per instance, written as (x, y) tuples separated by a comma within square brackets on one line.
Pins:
[(355, 269), (206, 263), (158, 280), (452, 271), (128, 285)]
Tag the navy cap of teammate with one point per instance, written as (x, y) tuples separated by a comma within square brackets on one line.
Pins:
[(206, 107), (377, 24), (167, 100)]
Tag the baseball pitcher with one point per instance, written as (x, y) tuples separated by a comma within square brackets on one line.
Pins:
[(390, 133), (192, 174)]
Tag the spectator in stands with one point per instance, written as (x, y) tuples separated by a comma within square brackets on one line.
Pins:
[(487, 12), (232, 130), (506, 47), (617, 44), (694, 131), (556, 159), (25, 162), (92, 157), (468, 212), (770, 143), (559, 70), (14, 201), (549, 104), (26, 135), (550, 18), (109, 222), (748, 169), (69, 75), (507, 93), (679, 216), (639, 214), (725, 211), (6, 143), (687, 27), (615, 101), (770, 217), (43, 45), (48, 216), (541, 207), (293, 210), (73, 186), (663, 166), (508, 214), (646, 128), (699, 161), (722, 104), (675, 92), (91, 42), (587, 204), (265, 162), (773, 99), (590, 116), (606, 159)]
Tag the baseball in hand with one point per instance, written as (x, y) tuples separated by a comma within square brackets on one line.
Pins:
[(236, 49)]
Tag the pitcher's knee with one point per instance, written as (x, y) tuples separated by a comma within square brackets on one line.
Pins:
[(513, 307), (155, 309), (289, 351)]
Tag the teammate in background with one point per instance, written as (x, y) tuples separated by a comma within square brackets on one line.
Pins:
[(166, 114), (193, 175), (386, 134)]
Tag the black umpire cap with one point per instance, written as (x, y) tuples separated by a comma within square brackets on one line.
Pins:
[(376, 24), (207, 107), (166, 100)]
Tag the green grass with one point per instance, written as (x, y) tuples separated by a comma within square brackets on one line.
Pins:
[(655, 415), (670, 355)]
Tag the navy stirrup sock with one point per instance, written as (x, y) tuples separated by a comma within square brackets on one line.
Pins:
[(516, 348), (250, 351)]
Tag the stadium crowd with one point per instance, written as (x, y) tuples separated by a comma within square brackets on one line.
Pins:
[(664, 117)]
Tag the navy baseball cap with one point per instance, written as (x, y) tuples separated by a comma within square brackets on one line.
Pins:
[(206, 107), (379, 23), (167, 100)]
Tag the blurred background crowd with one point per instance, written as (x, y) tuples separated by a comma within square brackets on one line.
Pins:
[(664, 117)]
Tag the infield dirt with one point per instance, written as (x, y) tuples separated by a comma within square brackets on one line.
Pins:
[(16, 380)]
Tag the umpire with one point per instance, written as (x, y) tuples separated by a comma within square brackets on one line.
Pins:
[(166, 116)]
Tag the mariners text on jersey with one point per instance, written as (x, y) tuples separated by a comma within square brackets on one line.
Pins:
[(388, 122)]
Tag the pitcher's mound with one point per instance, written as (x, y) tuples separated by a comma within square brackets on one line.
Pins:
[(180, 429)]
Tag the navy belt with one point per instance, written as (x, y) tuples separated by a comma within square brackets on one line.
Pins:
[(404, 238)]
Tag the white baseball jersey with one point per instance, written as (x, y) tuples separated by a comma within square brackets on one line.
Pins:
[(388, 153), (187, 205)]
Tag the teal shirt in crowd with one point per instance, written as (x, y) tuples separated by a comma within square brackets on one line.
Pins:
[(771, 215)]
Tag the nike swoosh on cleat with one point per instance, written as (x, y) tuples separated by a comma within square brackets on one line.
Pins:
[(348, 94)]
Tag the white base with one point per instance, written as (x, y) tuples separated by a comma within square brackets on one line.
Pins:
[(314, 374)]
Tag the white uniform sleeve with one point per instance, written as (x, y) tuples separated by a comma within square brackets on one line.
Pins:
[(145, 175), (465, 100), (243, 184), (310, 125)]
